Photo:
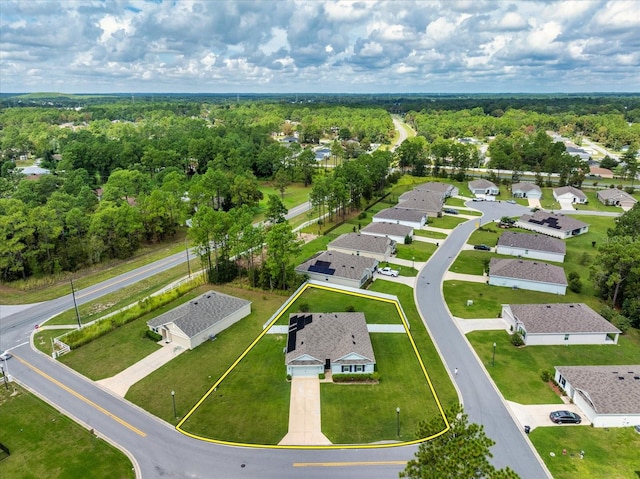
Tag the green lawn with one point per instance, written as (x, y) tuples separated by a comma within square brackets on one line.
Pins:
[(488, 300), (430, 234), (526, 386), (223, 414), (471, 262), (45, 443), (489, 235), (418, 250), (610, 453), (447, 222)]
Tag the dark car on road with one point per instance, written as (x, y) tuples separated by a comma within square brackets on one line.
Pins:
[(482, 247), (561, 417), (451, 211)]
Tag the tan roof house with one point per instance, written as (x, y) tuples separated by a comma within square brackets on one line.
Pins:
[(609, 396), (483, 187), (429, 201), (569, 193), (378, 247), (403, 216), (392, 231), (616, 197), (526, 190), (444, 188), (601, 172), (192, 323), (339, 268), (531, 275), (531, 246), (338, 342), (559, 323), (556, 225)]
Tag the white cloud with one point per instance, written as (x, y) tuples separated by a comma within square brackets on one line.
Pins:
[(314, 45)]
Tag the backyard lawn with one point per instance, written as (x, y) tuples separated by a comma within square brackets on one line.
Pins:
[(526, 386), (488, 300), (45, 443)]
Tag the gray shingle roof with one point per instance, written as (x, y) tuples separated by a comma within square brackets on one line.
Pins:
[(561, 318), (358, 242), (527, 270), (343, 265), (332, 336), (602, 387), (401, 214), (524, 186), (481, 183), (383, 229), (200, 313), (534, 242), (434, 186), (553, 221), (569, 189), (615, 194), (430, 201)]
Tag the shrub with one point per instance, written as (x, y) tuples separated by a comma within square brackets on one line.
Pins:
[(546, 376), (155, 337), (630, 189), (362, 215), (516, 339), (408, 239), (355, 378), (304, 307), (350, 309), (575, 284), (321, 376), (288, 377)]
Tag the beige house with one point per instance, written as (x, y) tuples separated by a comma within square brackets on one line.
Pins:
[(394, 231), (192, 323), (569, 193), (616, 197), (339, 268), (531, 275), (378, 247), (338, 342), (444, 188), (531, 246)]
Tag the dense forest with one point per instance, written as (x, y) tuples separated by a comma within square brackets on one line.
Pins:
[(127, 170)]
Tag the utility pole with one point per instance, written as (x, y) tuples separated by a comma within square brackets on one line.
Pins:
[(75, 304)]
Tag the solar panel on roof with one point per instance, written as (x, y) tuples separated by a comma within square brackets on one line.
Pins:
[(315, 268)]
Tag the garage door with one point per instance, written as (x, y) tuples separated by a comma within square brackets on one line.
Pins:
[(310, 371)]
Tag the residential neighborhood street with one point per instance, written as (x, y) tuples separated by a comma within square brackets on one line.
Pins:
[(157, 449)]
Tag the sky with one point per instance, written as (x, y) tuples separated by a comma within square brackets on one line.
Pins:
[(211, 46)]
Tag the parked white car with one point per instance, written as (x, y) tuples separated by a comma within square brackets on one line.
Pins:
[(388, 271)]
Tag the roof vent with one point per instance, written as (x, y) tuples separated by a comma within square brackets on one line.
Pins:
[(571, 305), (621, 378), (195, 302), (548, 306), (354, 342), (636, 377)]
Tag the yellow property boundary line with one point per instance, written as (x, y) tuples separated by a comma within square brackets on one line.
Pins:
[(292, 299)]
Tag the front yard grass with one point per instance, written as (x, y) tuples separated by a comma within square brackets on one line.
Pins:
[(446, 222), (471, 262), (45, 443), (609, 452), (418, 250), (517, 370), (430, 234)]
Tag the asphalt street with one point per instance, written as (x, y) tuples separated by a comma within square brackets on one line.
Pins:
[(481, 400), (158, 450)]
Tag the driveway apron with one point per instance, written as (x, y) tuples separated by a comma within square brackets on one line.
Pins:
[(304, 414)]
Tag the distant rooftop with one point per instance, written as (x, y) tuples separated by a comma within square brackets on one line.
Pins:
[(527, 270)]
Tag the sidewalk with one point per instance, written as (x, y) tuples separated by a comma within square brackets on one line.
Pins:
[(481, 324), (121, 382), (473, 278)]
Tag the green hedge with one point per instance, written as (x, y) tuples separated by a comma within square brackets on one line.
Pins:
[(77, 338), (355, 378)]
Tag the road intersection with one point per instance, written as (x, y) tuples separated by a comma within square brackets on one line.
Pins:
[(158, 450)]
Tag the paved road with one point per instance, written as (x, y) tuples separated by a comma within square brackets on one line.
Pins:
[(481, 400)]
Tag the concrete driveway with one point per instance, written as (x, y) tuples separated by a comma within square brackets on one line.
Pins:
[(566, 204), (537, 415), (304, 414)]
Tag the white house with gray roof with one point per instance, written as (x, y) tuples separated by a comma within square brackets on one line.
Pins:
[(429, 201), (444, 188), (531, 275), (378, 247), (416, 219), (192, 323), (392, 231), (609, 396), (483, 187), (339, 268), (338, 342), (526, 190), (569, 193), (558, 226), (559, 323), (531, 246)]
